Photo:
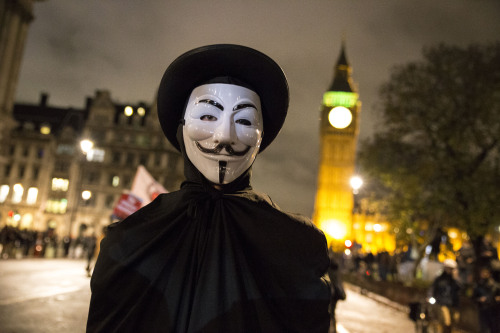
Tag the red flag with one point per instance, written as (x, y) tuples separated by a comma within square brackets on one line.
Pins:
[(127, 205)]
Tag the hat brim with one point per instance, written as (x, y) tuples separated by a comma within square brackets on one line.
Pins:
[(199, 65)]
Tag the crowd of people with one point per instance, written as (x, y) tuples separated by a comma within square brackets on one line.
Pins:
[(474, 275), (383, 266), (26, 243)]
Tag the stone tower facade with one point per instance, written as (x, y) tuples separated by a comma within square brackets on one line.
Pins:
[(339, 127)]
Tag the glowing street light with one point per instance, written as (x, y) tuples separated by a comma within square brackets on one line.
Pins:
[(128, 111), (86, 145), (356, 183), (86, 195)]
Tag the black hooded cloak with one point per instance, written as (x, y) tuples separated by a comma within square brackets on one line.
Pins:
[(207, 260)]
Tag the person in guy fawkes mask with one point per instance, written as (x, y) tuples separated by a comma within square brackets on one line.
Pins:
[(214, 256)]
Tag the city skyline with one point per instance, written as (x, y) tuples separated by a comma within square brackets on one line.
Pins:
[(74, 49)]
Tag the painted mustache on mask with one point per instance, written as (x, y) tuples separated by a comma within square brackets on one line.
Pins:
[(221, 146)]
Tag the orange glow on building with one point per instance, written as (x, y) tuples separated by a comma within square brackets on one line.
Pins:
[(337, 186), (333, 210)]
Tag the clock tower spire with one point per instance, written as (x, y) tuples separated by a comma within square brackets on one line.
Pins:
[(339, 126), (342, 80)]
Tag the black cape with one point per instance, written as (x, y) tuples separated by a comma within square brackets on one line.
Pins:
[(204, 260)]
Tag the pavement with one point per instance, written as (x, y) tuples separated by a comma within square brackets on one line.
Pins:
[(40, 295), (53, 295), (379, 299)]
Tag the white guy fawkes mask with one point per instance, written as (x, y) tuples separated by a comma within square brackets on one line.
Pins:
[(222, 130)]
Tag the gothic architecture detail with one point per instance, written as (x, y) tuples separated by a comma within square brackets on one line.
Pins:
[(339, 126)]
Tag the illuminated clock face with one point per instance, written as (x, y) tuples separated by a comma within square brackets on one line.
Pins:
[(340, 117)]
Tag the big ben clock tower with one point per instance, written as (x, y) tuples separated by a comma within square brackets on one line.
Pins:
[(339, 124)]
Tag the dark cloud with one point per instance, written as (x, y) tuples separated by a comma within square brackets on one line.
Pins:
[(76, 47)]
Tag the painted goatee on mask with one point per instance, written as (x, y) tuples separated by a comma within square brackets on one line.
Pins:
[(222, 130)]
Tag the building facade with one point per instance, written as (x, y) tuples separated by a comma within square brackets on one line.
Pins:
[(339, 128), (66, 168), (343, 220)]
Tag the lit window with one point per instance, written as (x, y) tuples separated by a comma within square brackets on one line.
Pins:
[(26, 221), (4, 191), (63, 205), (49, 206), (128, 111), (32, 195), (115, 181), (60, 184), (17, 196), (56, 206), (45, 129), (95, 155)]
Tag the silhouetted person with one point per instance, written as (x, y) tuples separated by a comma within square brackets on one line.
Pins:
[(487, 295), (465, 263), (337, 290), (90, 246), (445, 289)]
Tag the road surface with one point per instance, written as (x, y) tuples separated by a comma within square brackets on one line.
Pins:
[(52, 295)]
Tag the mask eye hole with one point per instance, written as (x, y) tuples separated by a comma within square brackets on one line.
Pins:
[(208, 117), (245, 122)]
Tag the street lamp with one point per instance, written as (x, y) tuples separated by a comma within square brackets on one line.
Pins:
[(356, 182), (86, 146), (86, 195)]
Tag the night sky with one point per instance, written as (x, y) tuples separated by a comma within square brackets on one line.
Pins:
[(77, 47)]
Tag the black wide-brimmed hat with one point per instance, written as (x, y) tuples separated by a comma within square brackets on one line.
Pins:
[(200, 65)]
